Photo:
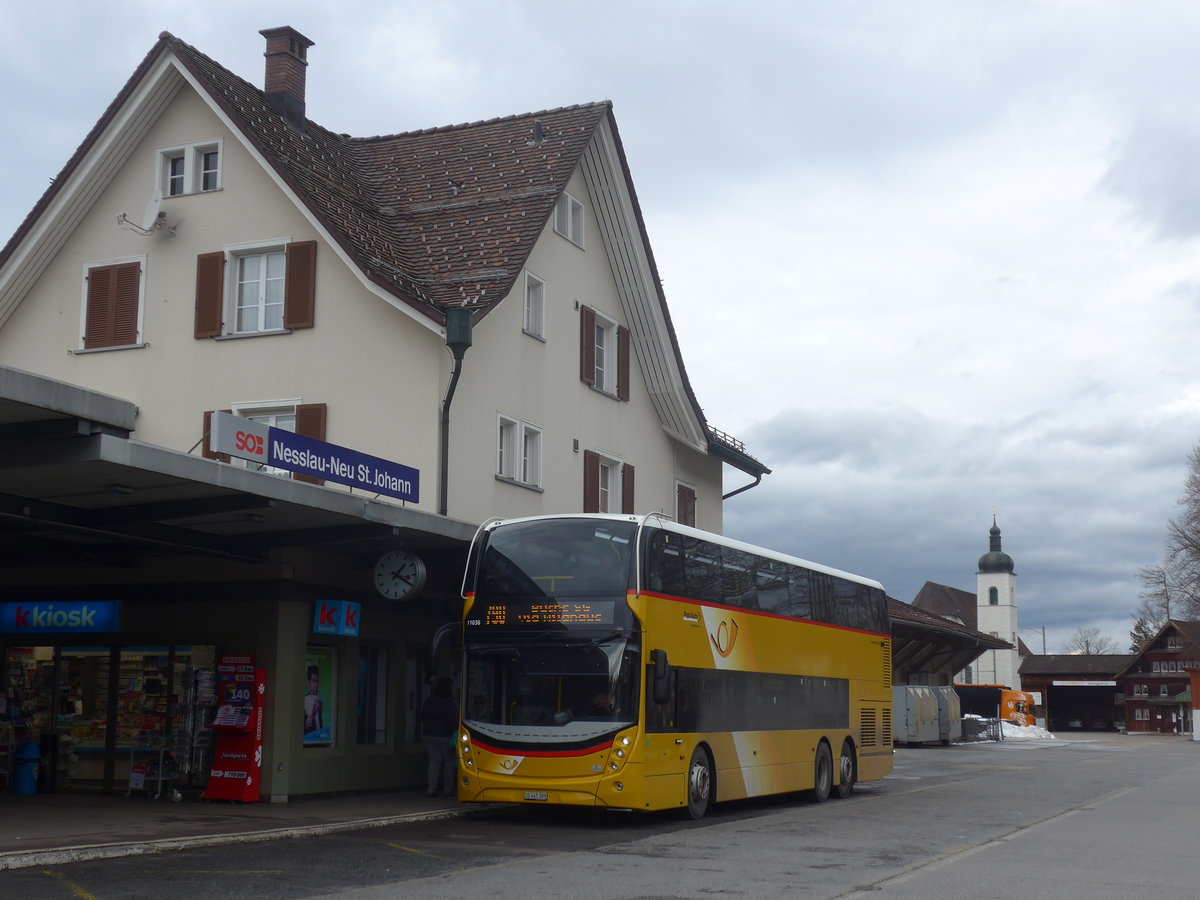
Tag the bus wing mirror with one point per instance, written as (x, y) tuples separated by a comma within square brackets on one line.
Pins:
[(441, 639), (662, 682)]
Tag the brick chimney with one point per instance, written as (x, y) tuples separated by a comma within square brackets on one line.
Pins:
[(284, 83)]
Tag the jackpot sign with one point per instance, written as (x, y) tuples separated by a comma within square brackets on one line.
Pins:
[(270, 446)]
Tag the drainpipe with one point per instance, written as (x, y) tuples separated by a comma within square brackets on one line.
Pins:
[(458, 340), (745, 487)]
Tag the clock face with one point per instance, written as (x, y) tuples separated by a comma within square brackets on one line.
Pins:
[(399, 574)]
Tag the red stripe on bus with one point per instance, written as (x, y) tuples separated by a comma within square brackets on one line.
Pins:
[(759, 612), (544, 753)]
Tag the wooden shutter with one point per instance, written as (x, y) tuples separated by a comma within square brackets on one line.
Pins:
[(300, 285), (622, 363), (627, 489), (111, 319), (685, 505), (310, 422), (591, 481), (210, 291), (206, 449), (587, 345)]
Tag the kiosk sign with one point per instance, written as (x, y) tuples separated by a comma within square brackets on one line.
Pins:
[(270, 446)]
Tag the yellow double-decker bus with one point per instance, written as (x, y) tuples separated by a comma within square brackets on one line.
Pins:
[(633, 663)]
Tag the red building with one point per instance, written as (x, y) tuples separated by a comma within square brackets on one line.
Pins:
[(1156, 684)]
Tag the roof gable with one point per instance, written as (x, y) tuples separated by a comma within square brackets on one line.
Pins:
[(949, 602), (1189, 642)]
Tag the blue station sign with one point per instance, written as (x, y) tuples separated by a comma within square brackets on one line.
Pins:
[(281, 449), (59, 617)]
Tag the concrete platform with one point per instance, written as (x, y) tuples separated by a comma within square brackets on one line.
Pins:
[(51, 829)]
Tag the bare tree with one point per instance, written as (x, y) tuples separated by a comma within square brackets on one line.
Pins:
[(1089, 642), (1171, 590)]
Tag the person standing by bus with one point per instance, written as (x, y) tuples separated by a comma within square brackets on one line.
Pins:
[(439, 718)]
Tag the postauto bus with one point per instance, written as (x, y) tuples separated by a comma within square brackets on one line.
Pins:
[(630, 662)]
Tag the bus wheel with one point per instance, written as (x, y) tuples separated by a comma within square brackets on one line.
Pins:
[(699, 784), (822, 774), (847, 770)]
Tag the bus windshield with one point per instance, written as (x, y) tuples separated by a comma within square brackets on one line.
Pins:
[(562, 689), (552, 651)]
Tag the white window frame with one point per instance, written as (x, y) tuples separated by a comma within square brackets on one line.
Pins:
[(534, 316), (569, 218), (611, 489), (234, 255), (518, 451), (1141, 715), (271, 411), (191, 177), (607, 352)]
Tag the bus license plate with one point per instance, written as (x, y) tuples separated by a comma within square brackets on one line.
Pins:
[(536, 795)]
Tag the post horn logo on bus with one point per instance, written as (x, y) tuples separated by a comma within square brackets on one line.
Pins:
[(725, 637)]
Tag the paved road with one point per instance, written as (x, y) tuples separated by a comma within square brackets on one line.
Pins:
[(1090, 816)]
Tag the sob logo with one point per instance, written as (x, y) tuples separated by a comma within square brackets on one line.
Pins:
[(250, 443)]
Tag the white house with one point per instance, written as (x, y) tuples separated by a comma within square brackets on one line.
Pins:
[(477, 305)]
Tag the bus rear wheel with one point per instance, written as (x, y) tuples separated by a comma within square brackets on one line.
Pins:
[(699, 784), (847, 771), (822, 774)]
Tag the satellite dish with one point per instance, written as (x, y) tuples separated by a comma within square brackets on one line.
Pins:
[(150, 216)]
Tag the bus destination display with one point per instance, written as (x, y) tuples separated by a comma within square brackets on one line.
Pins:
[(559, 612)]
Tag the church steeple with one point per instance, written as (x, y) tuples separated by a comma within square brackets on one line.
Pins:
[(995, 560)]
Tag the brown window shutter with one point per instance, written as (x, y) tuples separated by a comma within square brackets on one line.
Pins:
[(591, 481), (125, 304), (685, 505), (210, 290), (627, 489), (310, 422), (300, 285), (112, 305), (587, 345), (206, 449), (622, 363)]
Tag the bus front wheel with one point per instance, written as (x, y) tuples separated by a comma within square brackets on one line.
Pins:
[(847, 771), (699, 784), (822, 774)]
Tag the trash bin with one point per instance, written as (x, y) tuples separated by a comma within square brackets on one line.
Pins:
[(27, 759)]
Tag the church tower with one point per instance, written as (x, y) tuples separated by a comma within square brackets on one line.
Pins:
[(996, 603)]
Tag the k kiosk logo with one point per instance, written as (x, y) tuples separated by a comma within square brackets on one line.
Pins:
[(58, 617), (339, 617)]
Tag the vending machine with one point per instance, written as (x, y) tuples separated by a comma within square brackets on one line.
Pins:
[(238, 727)]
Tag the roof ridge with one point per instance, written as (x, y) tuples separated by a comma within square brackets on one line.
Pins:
[(497, 120)]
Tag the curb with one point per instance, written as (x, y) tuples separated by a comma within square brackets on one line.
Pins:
[(20, 859)]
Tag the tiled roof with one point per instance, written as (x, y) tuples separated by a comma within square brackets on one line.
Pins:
[(437, 217), (947, 601), (899, 611), (1092, 665)]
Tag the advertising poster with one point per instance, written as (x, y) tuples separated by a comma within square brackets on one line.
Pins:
[(319, 711)]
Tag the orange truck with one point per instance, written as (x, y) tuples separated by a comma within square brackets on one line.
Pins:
[(1016, 707)]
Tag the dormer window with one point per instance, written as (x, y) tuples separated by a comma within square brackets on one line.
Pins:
[(568, 219), (190, 169)]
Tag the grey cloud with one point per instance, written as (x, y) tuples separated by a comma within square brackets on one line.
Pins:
[(906, 498), (1154, 171)]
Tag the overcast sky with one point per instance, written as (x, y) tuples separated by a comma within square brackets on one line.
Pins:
[(927, 259)]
